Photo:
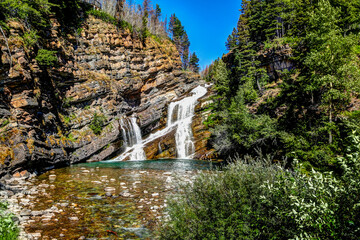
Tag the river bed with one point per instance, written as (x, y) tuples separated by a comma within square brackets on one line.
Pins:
[(106, 200)]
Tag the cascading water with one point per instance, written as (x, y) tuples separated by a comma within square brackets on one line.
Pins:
[(132, 139), (181, 113), (180, 116)]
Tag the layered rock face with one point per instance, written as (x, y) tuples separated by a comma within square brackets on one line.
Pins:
[(49, 115)]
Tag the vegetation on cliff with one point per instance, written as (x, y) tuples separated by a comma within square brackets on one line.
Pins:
[(8, 229), (142, 20), (289, 83)]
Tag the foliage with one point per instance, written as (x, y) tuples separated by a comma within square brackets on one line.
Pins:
[(256, 199), (8, 229), (194, 63), (46, 58), (103, 16), (32, 12), (109, 19), (97, 123), (180, 38), (307, 114), (30, 38)]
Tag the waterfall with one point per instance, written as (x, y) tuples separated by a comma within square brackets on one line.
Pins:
[(180, 114), (132, 139)]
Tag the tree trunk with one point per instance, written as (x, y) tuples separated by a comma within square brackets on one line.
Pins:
[(330, 121)]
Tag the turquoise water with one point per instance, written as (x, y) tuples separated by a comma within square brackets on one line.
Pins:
[(176, 165)]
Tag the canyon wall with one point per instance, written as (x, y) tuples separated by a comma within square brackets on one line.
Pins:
[(70, 113)]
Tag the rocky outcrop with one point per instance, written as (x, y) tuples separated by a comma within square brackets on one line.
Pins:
[(163, 147), (69, 113), (276, 60), (202, 134)]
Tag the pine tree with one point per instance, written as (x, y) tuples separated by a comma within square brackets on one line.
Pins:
[(185, 44), (194, 63), (332, 61), (145, 18), (181, 39), (157, 16), (158, 11), (231, 42)]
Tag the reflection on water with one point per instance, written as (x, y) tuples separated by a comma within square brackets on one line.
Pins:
[(177, 165), (106, 200)]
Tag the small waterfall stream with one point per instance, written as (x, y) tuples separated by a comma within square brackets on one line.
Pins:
[(132, 138), (180, 114)]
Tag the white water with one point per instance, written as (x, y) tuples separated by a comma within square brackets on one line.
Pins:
[(181, 113), (180, 116), (132, 138)]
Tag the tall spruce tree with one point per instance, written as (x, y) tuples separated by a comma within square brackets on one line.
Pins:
[(145, 18), (181, 39), (194, 63)]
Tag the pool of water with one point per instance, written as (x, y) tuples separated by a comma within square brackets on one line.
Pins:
[(106, 200)]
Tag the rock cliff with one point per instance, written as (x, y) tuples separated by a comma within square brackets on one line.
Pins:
[(54, 116)]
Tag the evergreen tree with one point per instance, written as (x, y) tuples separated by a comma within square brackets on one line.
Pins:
[(145, 18), (181, 39), (158, 12), (332, 61), (184, 45), (194, 63)]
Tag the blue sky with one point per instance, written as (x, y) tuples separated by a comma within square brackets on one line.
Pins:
[(208, 23)]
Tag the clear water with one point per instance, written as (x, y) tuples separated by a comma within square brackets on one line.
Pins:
[(108, 200)]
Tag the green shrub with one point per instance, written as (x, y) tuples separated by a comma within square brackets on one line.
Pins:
[(46, 58), (30, 38), (103, 16), (259, 200), (97, 123), (8, 229), (220, 205), (126, 25), (110, 19)]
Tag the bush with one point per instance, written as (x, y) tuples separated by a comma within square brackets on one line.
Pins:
[(97, 123), (103, 16), (8, 229), (110, 19), (220, 205), (30, 38), (259, 200), (46, 58)]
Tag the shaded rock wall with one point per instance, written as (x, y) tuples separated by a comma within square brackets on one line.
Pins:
[(277, 60), (47, 113)]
